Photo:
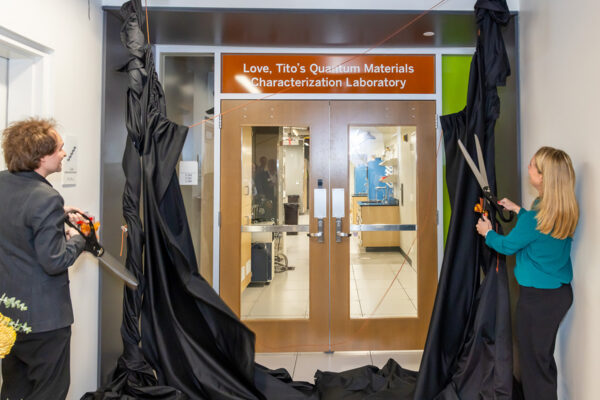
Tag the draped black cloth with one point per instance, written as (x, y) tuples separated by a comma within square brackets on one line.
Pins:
[(192, 341), (468, 353), (182, 341)]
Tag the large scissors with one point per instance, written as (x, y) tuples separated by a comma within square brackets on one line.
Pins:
[(481, 175)]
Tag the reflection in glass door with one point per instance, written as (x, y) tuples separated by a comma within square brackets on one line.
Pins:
[(383, 192), (275, 213)]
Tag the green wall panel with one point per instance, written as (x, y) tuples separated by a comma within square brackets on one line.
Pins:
[(455, 81)]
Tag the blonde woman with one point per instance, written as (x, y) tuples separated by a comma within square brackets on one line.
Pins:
[(541, 240)]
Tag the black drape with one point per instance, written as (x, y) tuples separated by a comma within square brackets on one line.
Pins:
[(468, 353), (191, 345), (180, 339), (191, 339)]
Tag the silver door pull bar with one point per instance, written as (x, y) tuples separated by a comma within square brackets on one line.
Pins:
[(275, 228), (381, 227)]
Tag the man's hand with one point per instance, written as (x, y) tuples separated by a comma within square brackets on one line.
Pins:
[(509, 205), (70, 232), (74, 214)]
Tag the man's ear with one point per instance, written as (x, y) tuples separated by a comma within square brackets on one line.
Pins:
[(42, 161)]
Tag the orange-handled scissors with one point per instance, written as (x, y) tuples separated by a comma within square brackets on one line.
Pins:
[(481, 175)]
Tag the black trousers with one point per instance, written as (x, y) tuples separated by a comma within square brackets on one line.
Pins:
[(37, 367), (539, 313)]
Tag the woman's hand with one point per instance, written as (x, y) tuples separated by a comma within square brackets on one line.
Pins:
[(509, 205), (483, 225)]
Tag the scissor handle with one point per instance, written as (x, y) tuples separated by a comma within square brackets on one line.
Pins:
[(92, 244), (500, 213), (499, 209)]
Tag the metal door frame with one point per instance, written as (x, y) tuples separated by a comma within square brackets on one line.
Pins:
[(190, 50)]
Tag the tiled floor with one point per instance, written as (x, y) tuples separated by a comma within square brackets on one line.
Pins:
[(382, 284), (302, 366), (286, 297)]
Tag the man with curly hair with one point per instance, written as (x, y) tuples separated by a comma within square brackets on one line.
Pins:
[(35, 253)]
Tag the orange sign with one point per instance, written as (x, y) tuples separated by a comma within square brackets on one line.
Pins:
[(320, 73)]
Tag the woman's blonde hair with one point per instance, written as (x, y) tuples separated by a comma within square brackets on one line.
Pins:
[(557, 210)]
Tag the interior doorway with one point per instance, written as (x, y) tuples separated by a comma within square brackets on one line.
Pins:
[(328, 222)]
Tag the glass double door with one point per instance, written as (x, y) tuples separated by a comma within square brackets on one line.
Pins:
[(328, 222)]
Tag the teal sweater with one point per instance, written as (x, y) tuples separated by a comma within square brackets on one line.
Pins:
[(543, 262)]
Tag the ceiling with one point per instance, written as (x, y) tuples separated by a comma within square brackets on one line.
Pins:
[(306, 28)]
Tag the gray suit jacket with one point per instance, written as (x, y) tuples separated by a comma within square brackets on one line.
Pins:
[(34, 254)]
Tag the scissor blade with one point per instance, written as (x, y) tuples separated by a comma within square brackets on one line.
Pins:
[(471, 163), (118, 269), (481, 163)]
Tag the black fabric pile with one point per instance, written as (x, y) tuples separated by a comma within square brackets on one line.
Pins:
[(193, 346)]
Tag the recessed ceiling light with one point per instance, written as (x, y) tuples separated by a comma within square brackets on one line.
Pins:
[(429, 33)]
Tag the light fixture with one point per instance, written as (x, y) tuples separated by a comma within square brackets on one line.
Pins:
[(428, 33)]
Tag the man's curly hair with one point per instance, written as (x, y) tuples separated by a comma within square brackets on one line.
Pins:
[(26, 142)]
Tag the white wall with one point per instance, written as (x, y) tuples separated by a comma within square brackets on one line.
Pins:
[(74, 101), (293, 160), (407, 181), (560, 86)]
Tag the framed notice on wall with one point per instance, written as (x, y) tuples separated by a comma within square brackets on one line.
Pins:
[(69, 165), (323, 73)]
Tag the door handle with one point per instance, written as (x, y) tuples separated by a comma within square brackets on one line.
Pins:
[(319, 234), (338, 231)]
